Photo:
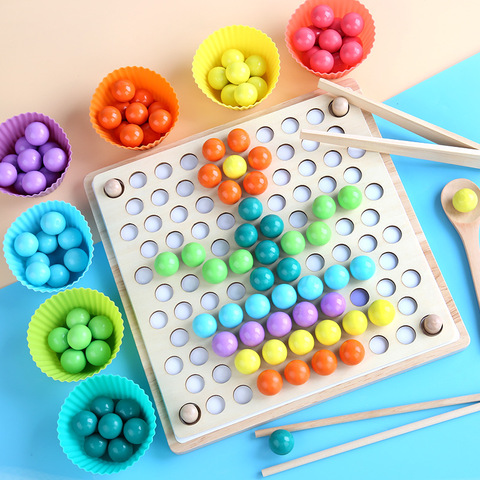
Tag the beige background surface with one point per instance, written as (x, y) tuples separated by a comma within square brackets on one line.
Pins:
[(54, 53)]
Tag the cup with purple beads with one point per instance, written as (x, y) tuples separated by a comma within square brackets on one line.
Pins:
[(34, 155)]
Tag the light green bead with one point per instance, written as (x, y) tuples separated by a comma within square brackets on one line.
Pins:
[(292, 242), (349, 197), (241, 261), (324, 207), (318, 233), (193, 254), (214, 270), (166, 264)]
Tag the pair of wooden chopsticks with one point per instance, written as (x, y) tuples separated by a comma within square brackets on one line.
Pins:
[(448, 148), (473, 399)]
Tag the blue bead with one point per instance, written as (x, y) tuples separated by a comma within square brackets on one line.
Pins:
[(38, 257), (271, 226), (246, 235), (230, 315), (76, 260), (59, 276), (362, 267), (37, 274), (53, 223), (336, 277), (25, 244), (250, 208), (257, 306), (310, 287), (71, 237), (284, 296), (46, 243), (288, 269), (267, 252), (204, 325), (262, 279)]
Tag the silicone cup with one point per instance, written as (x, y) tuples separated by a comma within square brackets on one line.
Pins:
[(29, 221), (52, 313), (115, 387), (249, 41), (142, 77), (14, 128), (301, 18)]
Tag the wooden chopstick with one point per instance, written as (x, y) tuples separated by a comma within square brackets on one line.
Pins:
[(394, 432), (465, 157), (420, 127)]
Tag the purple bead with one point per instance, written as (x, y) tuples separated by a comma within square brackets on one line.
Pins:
[(34, 182), (279, 324), (43, 149), (11, 158), (18, 187), (37, 133), (55, 160), (333, 304), (22, 144), (224, 344), (51, 177), (305, 314), (252, 334), (29, 160), (8, 174)]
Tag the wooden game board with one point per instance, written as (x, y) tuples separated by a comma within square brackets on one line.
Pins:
[(153, 315)]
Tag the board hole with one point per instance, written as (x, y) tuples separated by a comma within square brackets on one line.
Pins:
[(265, 134), (159, 197), (129, 232), (378, 344), (174, 240), (370, 218), (143, 275), (359, 297), (189, 161), (138, 180), (153, 223), (164, 292), (344, 227), (332, 159), (290, 125), (209, 301), (407, 306), (315, 116), (302, 194), (298, 219), (386, 287), (310, 145), (198, 356), (352, 175), (190, 283), (149, 249), (134, 206), (327, 184), (388, 261), (276, 203), (200, 230), (215, 405), (185, 188), (179, 214), (406, 335), (392, 234), (285, 152), (195, 384), (179, 337), (374, 191), (225, 221), (158, 319), (315, 262), (307, 168), (221, 374), (367, 243), (341, 253), (163, 171), (236, 291), (281, 177), (411, 278), (355, 152), (174, 365), (243, 394), (220, 247), (204, 205), (336, 129), (183, 310)]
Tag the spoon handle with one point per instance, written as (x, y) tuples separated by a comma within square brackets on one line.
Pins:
[(470, 238)]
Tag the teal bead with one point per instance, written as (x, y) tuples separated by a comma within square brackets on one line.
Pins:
[(288, 269), (119, 450), (95, 446), (271, 226), (84, 423), (281, 442), (110, 426), (262, 279), (267, 252), (102, 405), (135, 430), (246, 235), (127, 408), (250, 208)]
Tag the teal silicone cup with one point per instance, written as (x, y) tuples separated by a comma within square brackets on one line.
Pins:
[(29, 221), (115, 387)]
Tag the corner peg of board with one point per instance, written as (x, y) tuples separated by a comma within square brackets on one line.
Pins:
[(339, 106), (113, 188), (432, 324)]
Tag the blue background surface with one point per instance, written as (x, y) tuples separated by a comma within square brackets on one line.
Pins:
[(30, 401)]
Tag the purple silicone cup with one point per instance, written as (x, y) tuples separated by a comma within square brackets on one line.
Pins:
[(14, 128)]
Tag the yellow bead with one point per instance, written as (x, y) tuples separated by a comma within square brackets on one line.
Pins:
[(245, 94), (232, 55), (465, 200), (274, 351), (260, 84), (381, 312), (328, 332), (227, 95), (355, 322), (301, 342), (234, 166), (247, 361), (216, 78)]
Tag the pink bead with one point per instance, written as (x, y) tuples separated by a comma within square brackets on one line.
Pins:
[(317, 31), (303, 39), (351, 53), (321, 61), (322, 16), (352, 24), (352, 39), (337, 25), (8, 174), (306, 56), (330, 40)]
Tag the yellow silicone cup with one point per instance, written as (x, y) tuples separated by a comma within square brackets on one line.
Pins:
[(141, 77), (249, 41), (52, 313)]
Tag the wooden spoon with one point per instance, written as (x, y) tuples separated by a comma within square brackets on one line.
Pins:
[(467, 225)]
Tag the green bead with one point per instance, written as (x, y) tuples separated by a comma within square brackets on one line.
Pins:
[(193, 254), (214, 270), (292, 242), (288, 269), (318, 233), (240, 261), (101, 327), (271, 226), (166, 264), (57, 339), (246, 235), (324, 207), (73, 361), (77, 316), (281, 442), (349, 197), (79, 337), (262, 279), (98, 353)]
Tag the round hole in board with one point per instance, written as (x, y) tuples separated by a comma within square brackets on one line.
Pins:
[(200, 230), (159, 197), (310, 145), (204, 205), (138, 180), (143, 275), (388, 261), (281, 177), (209, 301), (370, 217), (179, 337), (215, 405), (386, 287), (158, 319), (163, 171), (355, 152), (243, 394), (407, 306), (315, 262), (134, 206), (198, 356), (359, 297), (195, 383), (183, 310), (185, 188), (290, 125), (129, 232), (298, 219), (315, 116), (220, 247), (236, 291), (336, 129), (374, 191), (392, 234), (352, 175), (221, 374), (174, 240), (327, 184), (406, 335), (264, 134), (153, 223), (174, 365), (164, 292), (179, 214), (378, 344), (307, 168), (189, 161), (344, 227), (332, 159), (285, 152), (302, 193), (341, 253), (367, 243), (411, 278), (225, 221), (276, 203), (149, 249)]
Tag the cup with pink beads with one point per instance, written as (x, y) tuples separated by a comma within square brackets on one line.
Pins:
[(34, 155), (330, 38)]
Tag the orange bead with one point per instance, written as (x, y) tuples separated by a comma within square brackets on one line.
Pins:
[(142, 95), (229, 192), (119, 128), (123, 90), (259, 158), (296, 372), (351, 352), (136, 113), (160, 121), (213, 149), (109, 117), (238, 140), (122, 106), (269, 382), (149, 136), (209, 175), (324, 362), (155, 106), (255, 183), (131, 135)]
